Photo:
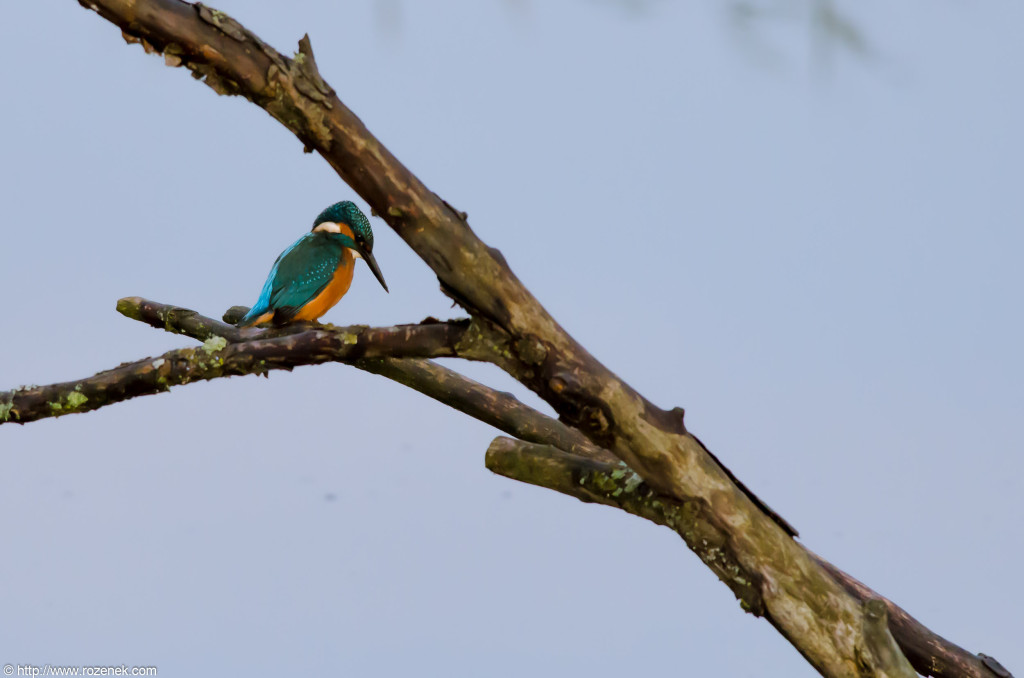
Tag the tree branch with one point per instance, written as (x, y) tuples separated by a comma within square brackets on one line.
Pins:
[(808, 606), (217, 357), (501, 410), (288, 347), (614, 485)]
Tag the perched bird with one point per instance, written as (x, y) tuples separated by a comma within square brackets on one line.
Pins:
[(314, 273)]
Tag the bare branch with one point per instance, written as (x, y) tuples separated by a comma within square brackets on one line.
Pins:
[(808, 606), (257, 350), (178, 320), (501, 410), (615, 485), (218, 358)]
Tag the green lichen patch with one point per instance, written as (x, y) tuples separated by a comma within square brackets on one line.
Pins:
[(214, 344), (129, 307), (76, 400), (6, 409), (69, 403)]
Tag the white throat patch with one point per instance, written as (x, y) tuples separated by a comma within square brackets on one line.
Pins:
[(327, 227)]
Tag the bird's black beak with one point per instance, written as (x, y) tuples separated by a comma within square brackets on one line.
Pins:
[(372, 263)]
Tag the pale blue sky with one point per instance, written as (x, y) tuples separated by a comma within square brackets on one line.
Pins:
[(821, 262)]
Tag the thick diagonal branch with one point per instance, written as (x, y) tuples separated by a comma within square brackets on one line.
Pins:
[(808, 606)]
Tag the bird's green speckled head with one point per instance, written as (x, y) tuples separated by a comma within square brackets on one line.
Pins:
[(334, 220), (346, 212)]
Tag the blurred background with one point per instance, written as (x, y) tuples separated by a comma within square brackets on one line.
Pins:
[(799, 220)]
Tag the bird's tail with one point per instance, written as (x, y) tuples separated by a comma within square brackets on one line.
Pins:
[(256, 315), (261, 311)]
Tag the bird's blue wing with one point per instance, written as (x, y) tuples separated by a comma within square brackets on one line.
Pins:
[(262, 304), (303, 272), (299, 274)]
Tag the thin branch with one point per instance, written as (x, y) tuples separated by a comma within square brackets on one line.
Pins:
[(501, 410), (615, 485), (230, 351), (179, 320), (218, 358)]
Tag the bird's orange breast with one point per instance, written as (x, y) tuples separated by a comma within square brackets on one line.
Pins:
[(334, 291)]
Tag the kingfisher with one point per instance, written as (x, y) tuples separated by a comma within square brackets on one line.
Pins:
[(315, 272)]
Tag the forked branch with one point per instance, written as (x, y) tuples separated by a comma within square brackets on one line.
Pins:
[(776, 576)]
